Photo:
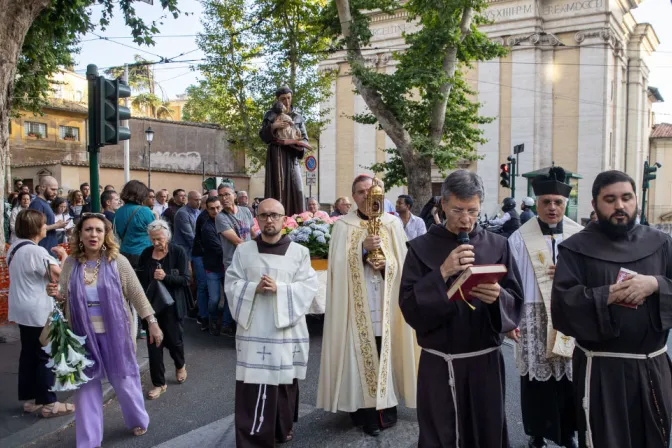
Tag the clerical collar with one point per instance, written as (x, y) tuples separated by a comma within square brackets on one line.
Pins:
[(550, 229), (362, 215), (279, 248)]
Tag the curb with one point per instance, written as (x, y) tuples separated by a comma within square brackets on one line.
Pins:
[(48, 426)]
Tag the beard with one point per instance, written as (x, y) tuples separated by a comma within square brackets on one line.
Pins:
[(615, 231), (271, 231)]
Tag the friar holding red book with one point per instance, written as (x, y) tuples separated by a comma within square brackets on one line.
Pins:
[(461, 379), (544, 355), (621, 323)]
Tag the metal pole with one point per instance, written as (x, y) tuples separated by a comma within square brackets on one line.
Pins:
[(642, 218), (92, 148), (513, 178), (149, 165), (127, 143)]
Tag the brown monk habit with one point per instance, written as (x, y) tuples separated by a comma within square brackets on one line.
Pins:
[(453, 328), (281, 406), (630, 399), (283, 174)]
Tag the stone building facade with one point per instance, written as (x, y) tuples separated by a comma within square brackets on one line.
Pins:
[(573, 89)]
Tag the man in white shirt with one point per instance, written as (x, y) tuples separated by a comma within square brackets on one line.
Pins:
[(413, 225), (161, 203)]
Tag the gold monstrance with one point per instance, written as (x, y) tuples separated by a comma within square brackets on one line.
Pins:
[(376, 206)]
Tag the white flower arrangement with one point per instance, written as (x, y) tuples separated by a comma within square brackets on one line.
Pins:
[(313, 234), (67, 354)]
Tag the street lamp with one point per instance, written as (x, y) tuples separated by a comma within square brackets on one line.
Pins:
[(149, 135)]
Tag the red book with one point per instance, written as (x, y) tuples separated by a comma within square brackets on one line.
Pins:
[(473, 276)]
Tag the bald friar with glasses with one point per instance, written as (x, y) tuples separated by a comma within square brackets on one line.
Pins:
[(461, 375), (270, 285)]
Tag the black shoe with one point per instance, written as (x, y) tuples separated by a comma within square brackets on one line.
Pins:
[(373, 431), (205, 325), (570, 443), (536, 442), (229, 331), (214, 329), (199, 320)]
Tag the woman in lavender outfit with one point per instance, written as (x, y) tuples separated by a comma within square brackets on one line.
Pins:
[(98, 287)]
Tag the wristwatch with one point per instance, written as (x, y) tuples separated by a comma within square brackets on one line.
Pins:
[(152, 320)]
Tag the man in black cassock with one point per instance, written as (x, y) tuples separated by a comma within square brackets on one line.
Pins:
[(283, 175), (622, 372), (461, 379), (544, 356)]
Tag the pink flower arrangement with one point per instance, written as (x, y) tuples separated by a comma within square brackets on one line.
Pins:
[(305, 216)]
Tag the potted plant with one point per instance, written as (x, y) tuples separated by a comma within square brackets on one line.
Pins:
[(35, 134), (70, 137), (314, 234)]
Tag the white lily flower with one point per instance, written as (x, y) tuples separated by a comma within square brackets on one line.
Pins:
[(74, 358), (87, 363), (80, 339), (62, 368), (47, 348), (50, 364), (83, 378)]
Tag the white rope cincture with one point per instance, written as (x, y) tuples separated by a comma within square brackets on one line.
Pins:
[(589, 370), (451, 378), (254, 423), (263, 406)]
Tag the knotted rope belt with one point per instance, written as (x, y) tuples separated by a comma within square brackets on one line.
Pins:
[(589, 370), (451, 377)]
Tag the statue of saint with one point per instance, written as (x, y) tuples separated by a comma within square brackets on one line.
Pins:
[(284, 131)]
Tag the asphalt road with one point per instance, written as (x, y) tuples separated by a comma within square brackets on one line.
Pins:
[(199, 413)]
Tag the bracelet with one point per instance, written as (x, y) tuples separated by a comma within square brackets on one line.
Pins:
[(152, 320)]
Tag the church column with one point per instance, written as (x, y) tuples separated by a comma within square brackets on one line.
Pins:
[(526, 58), (593, 82), (345, 130), (543, 150), (327, 153), (489, 95)]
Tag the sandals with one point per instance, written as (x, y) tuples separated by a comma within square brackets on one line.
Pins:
[(289, 438), (139, 431), (30, 407), (57, 409), (155, 393), (181, 375)]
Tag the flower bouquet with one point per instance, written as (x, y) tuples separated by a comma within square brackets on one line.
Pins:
[(314, 234), (67, 355)]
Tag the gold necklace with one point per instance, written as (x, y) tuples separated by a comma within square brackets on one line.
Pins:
[(95, 273)]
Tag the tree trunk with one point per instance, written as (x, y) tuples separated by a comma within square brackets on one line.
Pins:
[(418, 179), (16, 17)]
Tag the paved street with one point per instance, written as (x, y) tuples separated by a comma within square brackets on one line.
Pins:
[(199, 413)]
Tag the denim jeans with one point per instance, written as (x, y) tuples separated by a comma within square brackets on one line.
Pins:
[(215, 280), (201, 286)]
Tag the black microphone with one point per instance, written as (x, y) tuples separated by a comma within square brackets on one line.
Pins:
[(463, 238)]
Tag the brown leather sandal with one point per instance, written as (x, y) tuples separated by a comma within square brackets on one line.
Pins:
[(30, 407), (289, 437)]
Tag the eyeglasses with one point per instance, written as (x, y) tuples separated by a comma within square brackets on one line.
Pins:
[(159, 225), (274, 216), (461, 211)]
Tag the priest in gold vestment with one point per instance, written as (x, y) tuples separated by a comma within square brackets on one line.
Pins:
[(369, 353)]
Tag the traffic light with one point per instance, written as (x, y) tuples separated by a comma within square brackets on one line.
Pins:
[(504, 175), (649, 173), (110, 113)]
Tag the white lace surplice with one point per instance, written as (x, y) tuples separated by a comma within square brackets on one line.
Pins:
[(531, 349)]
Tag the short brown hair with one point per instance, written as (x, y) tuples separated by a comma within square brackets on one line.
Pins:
[(29, 224), (134, 192)]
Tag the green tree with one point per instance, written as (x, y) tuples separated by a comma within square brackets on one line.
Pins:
[(251, 49), (424, 105), (36, 37)]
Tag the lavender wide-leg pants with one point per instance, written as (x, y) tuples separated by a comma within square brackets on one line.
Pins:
[(89, 403)]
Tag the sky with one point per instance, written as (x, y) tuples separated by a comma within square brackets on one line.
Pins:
[(178, 38)]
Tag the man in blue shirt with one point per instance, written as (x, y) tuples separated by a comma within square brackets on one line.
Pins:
[(185, 222), (48, 190)]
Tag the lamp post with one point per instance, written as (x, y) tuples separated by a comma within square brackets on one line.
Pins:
[(149, 135)]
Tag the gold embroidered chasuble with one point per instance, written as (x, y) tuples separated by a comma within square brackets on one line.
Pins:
[(352, 374)]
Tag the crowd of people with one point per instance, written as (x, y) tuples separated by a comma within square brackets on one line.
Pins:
[(586, 333)]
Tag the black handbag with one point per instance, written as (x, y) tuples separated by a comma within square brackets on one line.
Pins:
[(159, 296)]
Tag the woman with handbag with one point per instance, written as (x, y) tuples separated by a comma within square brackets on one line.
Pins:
[(99, 287), (163, 270), (131, 221), (29, 307)]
